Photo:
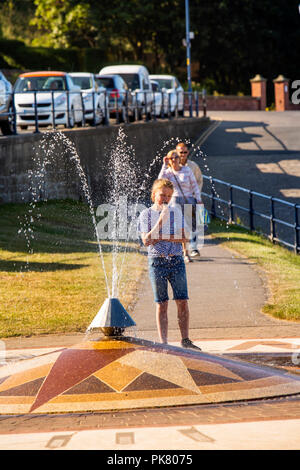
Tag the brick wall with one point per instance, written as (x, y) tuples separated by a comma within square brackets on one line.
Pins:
[(232, 103)]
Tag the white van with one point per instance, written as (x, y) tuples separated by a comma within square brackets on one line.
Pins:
[(138, 82)]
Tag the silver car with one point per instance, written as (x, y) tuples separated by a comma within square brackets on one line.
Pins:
[(5, 105), (171, 85), (48, 97), (93, 95)]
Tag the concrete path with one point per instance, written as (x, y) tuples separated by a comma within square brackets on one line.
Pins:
[(226, 294)]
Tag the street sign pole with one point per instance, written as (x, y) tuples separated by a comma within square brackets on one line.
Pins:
[(188, 44)]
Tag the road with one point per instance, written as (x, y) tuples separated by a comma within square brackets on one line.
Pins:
[(260, 151), (257, 150)]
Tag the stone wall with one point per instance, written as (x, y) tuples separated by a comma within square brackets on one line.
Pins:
[(19, 155)]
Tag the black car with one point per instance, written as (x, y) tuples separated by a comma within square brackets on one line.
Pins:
[(119, 96)]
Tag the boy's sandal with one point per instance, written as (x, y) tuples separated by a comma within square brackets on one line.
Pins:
[(187, 259)]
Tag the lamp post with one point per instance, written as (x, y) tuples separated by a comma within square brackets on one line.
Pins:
[(188, 44)]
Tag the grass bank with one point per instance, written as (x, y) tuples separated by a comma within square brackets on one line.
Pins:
[(51, 275), (281, 266)]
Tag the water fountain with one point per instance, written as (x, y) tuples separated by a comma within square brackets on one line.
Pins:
[(115, 372)]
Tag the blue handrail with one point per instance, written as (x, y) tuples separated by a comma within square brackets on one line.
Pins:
[(289, 228)]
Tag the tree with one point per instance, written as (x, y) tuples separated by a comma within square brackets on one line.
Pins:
[(64, 23)]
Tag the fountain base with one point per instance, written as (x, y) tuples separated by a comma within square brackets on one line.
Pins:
[(112, 318)]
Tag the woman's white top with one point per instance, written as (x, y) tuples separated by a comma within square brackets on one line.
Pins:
[(186, 179)]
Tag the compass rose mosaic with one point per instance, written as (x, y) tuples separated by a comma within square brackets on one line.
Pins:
[(128, 373)]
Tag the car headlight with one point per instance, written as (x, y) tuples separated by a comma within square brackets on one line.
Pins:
[(87, 98), (60, 100)]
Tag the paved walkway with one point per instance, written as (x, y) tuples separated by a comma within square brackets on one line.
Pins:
[(226, 294)]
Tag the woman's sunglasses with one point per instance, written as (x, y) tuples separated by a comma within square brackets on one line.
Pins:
[(174, 158)]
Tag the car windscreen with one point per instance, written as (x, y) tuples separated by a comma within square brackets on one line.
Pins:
[(131, 79), (106, 82), (83, 82), (164, 82), (24, 84)]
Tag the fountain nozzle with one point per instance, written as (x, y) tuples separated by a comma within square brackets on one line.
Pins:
[(112, 318)]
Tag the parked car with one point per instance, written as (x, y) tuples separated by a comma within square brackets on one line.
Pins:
[(51, 96), (160, 103), (93, 95), (138, 82), (5, 105), (119, 96), (174, 89)]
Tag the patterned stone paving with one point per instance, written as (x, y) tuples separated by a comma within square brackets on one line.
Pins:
[(127, 374)]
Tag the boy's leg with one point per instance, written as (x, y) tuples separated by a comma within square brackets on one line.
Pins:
[(162, 321), (183, 316)]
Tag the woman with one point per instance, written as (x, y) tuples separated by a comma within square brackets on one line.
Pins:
[(186, 191), (161, 231)]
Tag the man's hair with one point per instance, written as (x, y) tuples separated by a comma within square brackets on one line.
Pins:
[(182, 144), (160, 183)]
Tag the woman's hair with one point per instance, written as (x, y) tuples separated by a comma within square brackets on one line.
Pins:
[(160, 183)]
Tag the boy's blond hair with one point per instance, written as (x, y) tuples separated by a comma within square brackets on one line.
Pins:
[(160, 183), (170, 154)]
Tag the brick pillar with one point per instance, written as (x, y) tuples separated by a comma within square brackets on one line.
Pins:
[(259, 90), (281, 90)]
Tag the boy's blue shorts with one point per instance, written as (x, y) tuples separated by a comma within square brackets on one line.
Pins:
[(162, 270)]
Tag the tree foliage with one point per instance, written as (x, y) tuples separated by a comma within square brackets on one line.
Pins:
[(234, 39)]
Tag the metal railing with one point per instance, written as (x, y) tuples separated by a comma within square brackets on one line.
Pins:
[(274, 218), (113, 107)]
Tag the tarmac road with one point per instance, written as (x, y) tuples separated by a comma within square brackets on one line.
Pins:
[(260, 151), (257, 150)]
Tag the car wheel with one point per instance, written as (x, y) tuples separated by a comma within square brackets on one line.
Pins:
[(23, 127), (7, 127)]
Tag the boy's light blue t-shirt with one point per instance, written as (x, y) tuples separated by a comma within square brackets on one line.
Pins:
[(173, 226)]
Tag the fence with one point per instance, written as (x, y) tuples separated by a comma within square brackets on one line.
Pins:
[(275, 218), (52, 108)]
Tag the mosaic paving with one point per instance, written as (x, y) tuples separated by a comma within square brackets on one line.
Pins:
[(129, 373)]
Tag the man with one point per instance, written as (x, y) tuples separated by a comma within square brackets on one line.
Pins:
[(183, 153)]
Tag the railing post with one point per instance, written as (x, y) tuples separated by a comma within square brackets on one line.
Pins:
[(169, 106), (272, 223), (191, 103), (126, 107), (230, 218), (153, 106), (117, 109), (94, 110), (176, 107), (106, 109), (68, 109), (251, 210), (204, 104), (82, 105), (197, 103), (136, 107), (14, 114), (36, 114), (162, 114), (297, 244), (53, 106), (213, 209)]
